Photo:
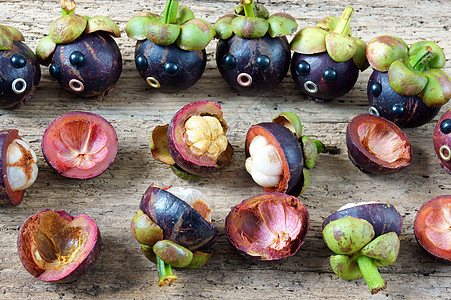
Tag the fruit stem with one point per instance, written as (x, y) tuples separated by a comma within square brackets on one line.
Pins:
[(248, 6), (419, 61), (165, 275), (371, 274), (170, 12), (67, 7), (345, 20)]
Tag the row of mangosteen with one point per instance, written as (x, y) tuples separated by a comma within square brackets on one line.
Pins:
[(173, 225), (408, 85)]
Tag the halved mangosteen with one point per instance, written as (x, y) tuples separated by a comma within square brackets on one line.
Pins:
[(376, 145), (56, 247), (80, 145), (432, 227), (269, 226), (18, 167)]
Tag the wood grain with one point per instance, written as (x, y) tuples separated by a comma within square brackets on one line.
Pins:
[(134, 110)]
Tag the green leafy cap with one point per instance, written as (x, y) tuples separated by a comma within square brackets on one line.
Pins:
[(9, 34)]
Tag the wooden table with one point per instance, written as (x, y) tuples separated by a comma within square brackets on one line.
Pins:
[(134, 110)]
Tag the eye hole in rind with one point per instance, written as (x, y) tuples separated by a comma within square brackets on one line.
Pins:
[(171, 69), (263, 62), (18, 61), (229, 61), (376, 89), (54, 71), (445, 126), (330, 75), (303, 68), (398, 110), (19, 86), (141, 62), (77, 59)]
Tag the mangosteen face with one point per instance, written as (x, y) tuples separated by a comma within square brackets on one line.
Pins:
[(322, 78), (442, 141), (253, 65), (404, 111), (19, 75), (89, 66), (169, 68)]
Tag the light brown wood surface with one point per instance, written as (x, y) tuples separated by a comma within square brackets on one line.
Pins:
[(134, 110)]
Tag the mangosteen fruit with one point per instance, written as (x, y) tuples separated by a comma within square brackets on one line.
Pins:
[(79, 145), (442, 140), (170, 53), (269, 226), (363, 237), (278, 157), (376, 145), (174, 228), (408, 85), (83, 57), (18, 168), (56, 247), (253, 54), (20, 72), (327, 58), (432, 227), (194, 143)]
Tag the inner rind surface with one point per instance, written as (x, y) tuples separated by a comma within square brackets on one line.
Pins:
[(438, 227), (384, 143)]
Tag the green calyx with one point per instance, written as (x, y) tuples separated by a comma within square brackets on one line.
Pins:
[(145, 230), (359, 254), (414, 71), (253, 21), (173, 254), (175, 25), (334, 36), (8, 35)]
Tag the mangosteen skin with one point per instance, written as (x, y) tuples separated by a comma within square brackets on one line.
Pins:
[(293, 153), (404, 111), (341, 78), (30, 73), (442, 141), (180, 222), (100, 69), (190, 65), (247, 53), (383, 217)]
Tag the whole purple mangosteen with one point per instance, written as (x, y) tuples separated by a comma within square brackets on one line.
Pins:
[(442, 141)]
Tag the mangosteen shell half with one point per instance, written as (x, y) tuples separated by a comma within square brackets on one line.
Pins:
[(68, 133), (442, 141), (361, 147), (53, 221), (243, 219), (30, 73)]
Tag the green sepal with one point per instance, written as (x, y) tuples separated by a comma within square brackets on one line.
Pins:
[(310, 152), (348, 235), (340, 47), (345, 267), (437, 61), (330, 23), (382, 51), (259, 10), (184, 14), (158, 144), (437, 91), (145, 231), (67, 28), (162, 34), (306, 176), (6, 40), (223, 27), (199, 259), (101, 23), (291, 121), (281, 24), (359, 57), (137, 26), (319, 146), (405, 81), (384, 249), (148, 253), (173, 254), (249, 27), (195, 35), (44, 50), (309, 40), (183, 174)]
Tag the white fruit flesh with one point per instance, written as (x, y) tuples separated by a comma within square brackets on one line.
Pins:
[(195, 198), (21, 165)]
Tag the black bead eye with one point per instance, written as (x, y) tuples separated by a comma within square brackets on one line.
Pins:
[(376, 89), (54, 71), (77, 59), (445, 126), (303, 68), (229, 61), (171, 69), (330, 75), (141, 62), (263, 62), (18, 61), (398, 110)]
